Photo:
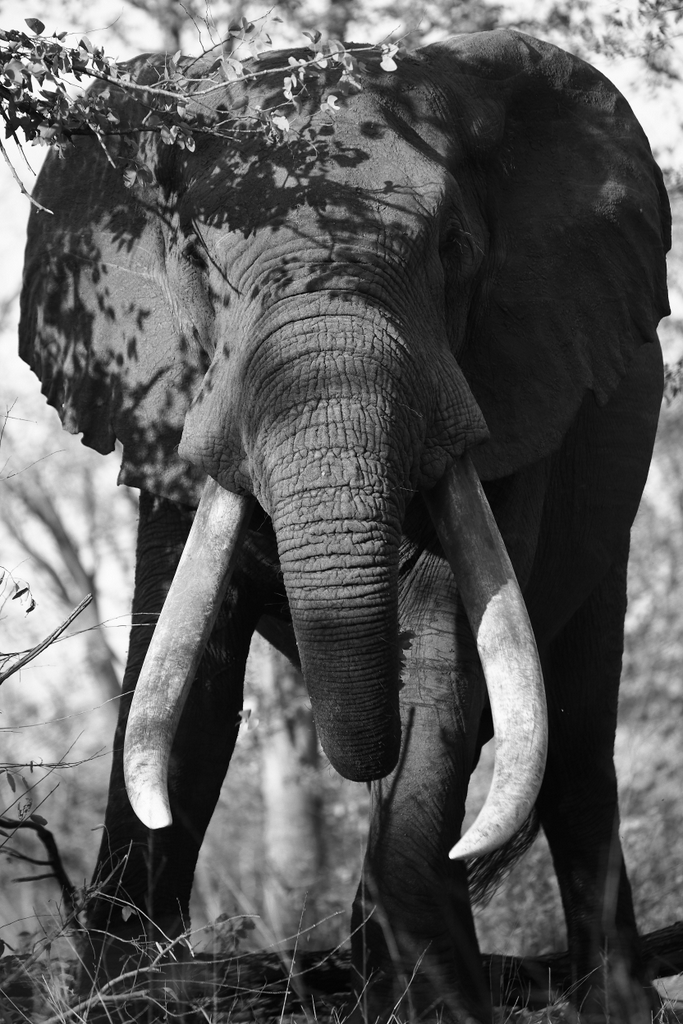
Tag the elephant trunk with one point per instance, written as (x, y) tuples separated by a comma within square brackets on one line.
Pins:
[(341, 577)]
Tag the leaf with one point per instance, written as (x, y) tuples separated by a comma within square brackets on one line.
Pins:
[(389, 51), (315, 36), (126, 913), (348, 84), (39, 819), (86, 44), (35, 24), (281, 122), (333, 101), (11, 781), (233, 69), (14, 69), (169, 133), (239, 29)]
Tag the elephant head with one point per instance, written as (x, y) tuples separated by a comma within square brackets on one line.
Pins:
[(438, 268)]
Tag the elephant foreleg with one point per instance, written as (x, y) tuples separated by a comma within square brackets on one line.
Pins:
[(143, 879), (579, 812), (413, 938)]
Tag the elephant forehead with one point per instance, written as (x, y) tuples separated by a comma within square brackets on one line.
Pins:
[(344, 200), (361, 160)]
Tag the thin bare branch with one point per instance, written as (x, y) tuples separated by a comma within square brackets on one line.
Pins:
[(54, 860), (20, 183), (44, 644)]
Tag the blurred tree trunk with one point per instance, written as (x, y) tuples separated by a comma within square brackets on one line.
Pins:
[(335, 21), (294, 851)]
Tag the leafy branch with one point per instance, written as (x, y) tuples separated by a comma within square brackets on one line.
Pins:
[(38, 73)]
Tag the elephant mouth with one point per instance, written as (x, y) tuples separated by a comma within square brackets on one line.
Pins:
[(494, 606)]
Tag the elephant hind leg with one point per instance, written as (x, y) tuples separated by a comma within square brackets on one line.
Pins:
[(579, 812)]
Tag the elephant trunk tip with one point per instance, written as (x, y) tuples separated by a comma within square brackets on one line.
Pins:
[(367, 764)]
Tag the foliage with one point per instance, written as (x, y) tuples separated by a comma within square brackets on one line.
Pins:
[(37, 74)]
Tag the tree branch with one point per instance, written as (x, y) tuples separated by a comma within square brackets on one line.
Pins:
[(23, 659), (54, 860)]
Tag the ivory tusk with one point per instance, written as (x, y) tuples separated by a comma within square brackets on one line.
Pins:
[(184, 626), (507, 650)]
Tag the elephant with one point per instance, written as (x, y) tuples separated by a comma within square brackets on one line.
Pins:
[(388, 380)]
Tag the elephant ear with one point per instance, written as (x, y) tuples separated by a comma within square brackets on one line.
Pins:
[(578, 222), (103, 323)]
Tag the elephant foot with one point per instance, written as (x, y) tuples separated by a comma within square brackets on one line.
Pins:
[(127, 975), (390, 985), (614, 995), (382, 999)]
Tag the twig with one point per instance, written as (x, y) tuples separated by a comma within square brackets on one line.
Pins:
[(44, 644), (102, 996), (20, 182), (54, 860)]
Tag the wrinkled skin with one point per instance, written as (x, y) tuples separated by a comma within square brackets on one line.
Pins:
[(468, 256)]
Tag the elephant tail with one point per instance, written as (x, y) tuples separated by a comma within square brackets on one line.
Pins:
[(487, 873)]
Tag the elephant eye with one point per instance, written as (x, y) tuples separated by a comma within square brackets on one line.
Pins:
[(449, 245), (453, 241), (460, 246)]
